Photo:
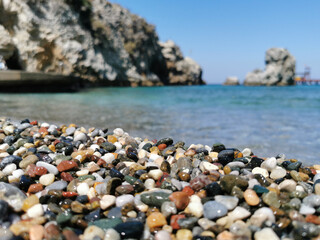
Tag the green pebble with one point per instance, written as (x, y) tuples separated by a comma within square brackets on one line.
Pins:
[(271, 199), (62, 157), (63, 217), (155, 198), (298, 194), (259, 189), (106, 223), (84, 177), (130, 179)]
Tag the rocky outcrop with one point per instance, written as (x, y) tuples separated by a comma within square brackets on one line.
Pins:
[(280, 70), (6, 44), (232, 81), (182, 70), (92, 39)]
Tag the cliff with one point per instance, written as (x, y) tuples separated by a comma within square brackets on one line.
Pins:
[(92, 39)]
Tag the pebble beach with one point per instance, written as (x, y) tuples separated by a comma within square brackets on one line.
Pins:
[(69, 182)]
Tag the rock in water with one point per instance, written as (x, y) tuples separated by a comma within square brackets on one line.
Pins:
[(182, 71), (12, 195), (232, 81), (280, 70)]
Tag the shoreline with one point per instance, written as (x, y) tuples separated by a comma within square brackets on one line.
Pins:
[(79, 183)]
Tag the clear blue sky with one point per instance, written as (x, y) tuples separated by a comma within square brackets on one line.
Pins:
[(230, 37)]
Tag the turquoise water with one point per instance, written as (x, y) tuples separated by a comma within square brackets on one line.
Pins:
[(269, 120)]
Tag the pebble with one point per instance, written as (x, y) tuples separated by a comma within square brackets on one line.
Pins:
[(89, 184), (162, 235), (35, 211), (287, 185), (91, 232), (184, 234), (266, 234), (229, 201), (181, 199), (277, 173), (124, 199), (107, 201), (251, 197), (156, 219), (132, 229), (83, 188), (51, 168), (36, 232), (47, 179), (156, 174), (12, 195), (214, 209)]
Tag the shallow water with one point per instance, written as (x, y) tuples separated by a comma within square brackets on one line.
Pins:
[(269, 120)]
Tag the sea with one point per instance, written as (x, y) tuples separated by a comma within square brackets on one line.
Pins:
[(268, 120)]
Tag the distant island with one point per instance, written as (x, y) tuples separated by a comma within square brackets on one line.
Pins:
[(97, 41)]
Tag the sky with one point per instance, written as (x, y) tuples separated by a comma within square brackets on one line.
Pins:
[(230, 37)]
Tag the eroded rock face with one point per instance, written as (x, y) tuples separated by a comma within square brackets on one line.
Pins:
[(6, 44), (93, 39), (280, 70), (182, 70)]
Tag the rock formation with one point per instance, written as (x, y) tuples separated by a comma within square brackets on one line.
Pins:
[(232, 81), (92, 39), (280, 70), (182, 70)]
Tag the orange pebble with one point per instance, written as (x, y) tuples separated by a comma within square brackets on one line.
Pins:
[(112, 139), (156, 219), (251, 197)]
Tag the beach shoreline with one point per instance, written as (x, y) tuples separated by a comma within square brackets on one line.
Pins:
[(80, 183)]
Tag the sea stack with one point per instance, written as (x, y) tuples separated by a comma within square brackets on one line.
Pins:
[(232, 81), (280, 70)]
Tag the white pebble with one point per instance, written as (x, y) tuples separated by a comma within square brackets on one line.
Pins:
[(118, 145), (266, 234), (48, 166), (108, 157), (306, 210), (261, 215), (35, 211), (111, 234), (118, 132), (94, 147), (82, 172), (195, 208), (239, 213), (162, 235), (107, 201), (149, 183), (9, 169), (91, 232), (4, 147), (229, 201), (246, 152), (206, 166), (83, 188), (278, 172), (156, 174), (153, 157), (47, 179), (18, 173), (262, 171), (124, 199), (269, 164), (288, 185)]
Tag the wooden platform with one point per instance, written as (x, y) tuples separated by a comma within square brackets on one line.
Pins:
[(22, 81)]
